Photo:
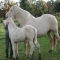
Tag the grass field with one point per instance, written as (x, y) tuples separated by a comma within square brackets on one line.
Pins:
[(44, 43)]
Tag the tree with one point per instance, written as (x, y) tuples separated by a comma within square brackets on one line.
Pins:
[(57, 7), (49, 7), (36, 8), (1, 9), (24, 4), (1, 5), (58, 0), (41, 7)]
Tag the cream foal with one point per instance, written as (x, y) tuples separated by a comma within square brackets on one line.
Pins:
[(21, 34)]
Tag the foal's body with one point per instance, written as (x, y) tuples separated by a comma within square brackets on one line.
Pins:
[(21, 34)]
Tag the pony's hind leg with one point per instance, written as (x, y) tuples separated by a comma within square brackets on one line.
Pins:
[(58, 38), (51, 41)]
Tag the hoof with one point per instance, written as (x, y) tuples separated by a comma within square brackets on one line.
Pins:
[(24, 55), (16, 58), (59, 51), (6, 58), (39, 56), (50, 51), (13, 58), (32, 59), (29, 56), (32, 56)]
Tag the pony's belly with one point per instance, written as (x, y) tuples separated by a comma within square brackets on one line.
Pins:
[(42, 32)]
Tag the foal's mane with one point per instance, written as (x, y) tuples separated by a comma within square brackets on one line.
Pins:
[(12, 22)]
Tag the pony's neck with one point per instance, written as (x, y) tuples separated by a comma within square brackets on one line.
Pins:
[(23, 16)]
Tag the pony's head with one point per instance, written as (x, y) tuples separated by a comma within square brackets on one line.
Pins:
[(12, 12)]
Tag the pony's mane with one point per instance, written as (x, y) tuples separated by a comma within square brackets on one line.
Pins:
[(23, 13)]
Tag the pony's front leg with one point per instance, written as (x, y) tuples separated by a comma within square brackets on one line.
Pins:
[(25, 48)]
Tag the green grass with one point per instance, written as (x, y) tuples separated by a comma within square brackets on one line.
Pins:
[(44, 44)]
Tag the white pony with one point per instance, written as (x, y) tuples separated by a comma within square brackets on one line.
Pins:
[(21, 34), (44, 24)]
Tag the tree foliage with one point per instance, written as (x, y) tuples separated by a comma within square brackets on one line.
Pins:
[(36, 8), (2, 13), (24, 4), (57, 7)]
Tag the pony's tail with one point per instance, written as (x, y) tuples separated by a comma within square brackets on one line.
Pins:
[(54, 42)]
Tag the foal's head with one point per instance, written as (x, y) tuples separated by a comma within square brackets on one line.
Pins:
[(7, 21)]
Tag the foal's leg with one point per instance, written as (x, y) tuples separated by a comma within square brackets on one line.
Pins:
[(31, 49), (51, 41), (13, 47), (25, 48), (38, 46), (16, 51)]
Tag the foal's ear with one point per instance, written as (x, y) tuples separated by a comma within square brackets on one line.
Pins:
[(7, 23)]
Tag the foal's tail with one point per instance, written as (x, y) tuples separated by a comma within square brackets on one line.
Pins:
[(36, 43), (54, 42), (35, 36), (35, 39)]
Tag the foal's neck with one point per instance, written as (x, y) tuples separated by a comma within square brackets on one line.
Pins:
[(12, 25)]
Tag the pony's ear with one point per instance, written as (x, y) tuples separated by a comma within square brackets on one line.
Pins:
[(13, 6)]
